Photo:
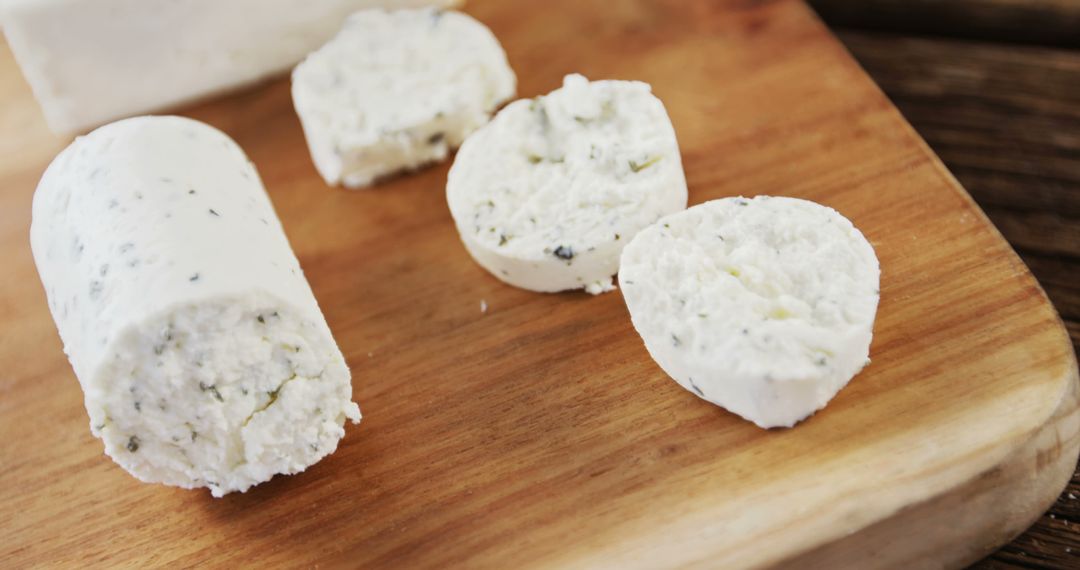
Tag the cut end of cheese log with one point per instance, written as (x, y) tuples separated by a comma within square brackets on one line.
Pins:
[(546, 196), (393, 91), (764, 307), (203, 356)]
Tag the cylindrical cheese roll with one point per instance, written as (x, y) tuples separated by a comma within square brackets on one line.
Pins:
[(546, 195), (202, 354), (765, 306)]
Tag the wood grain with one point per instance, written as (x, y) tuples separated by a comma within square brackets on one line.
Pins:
[(540, 434), (1004, 119), (1041, 22)]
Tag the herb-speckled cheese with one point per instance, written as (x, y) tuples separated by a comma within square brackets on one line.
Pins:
[(546, 196), (203, 356), (95, 61), (764, 307), (396, 90)]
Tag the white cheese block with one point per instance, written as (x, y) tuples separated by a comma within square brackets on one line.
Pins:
[(546, 196), (764, 307), (202, 354), (396, 90), (92, 61)]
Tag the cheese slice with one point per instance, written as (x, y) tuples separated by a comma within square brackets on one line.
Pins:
[(765, 306), (93, 61), (396, 90), (202, 354), (546, 196)]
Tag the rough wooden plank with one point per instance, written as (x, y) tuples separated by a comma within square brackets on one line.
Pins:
[(1006, 121), (1053, 22)]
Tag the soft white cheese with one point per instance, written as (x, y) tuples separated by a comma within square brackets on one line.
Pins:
[(764, 307), (396, 90), (90, 62), (203, 356), (546, 195)]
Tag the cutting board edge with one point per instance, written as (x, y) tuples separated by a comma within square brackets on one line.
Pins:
[(1035, 472), (974, 518)]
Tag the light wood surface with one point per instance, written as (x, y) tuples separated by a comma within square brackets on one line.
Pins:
[(540, 434)]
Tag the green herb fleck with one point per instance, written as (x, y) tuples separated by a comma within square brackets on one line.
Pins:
[(261, 320), (212, 388), (133, 444), (635, 167), (695, 388), (564, 252)]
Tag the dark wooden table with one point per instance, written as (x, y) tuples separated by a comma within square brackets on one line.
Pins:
[(994, 87)]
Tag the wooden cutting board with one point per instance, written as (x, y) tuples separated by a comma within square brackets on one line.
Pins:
[(539, 433)]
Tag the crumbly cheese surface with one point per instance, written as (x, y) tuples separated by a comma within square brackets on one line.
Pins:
[(764, 307), (93, 62), (395, 90), (203, 356), (546, 196)]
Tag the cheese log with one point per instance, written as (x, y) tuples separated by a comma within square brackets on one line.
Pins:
[(90, 62), (764, 307), (396, 90), (203, 357), (547, 194)]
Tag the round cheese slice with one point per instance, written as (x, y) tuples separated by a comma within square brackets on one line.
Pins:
[(394, 90), (546, 196), (764, 307), (202, 354)]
